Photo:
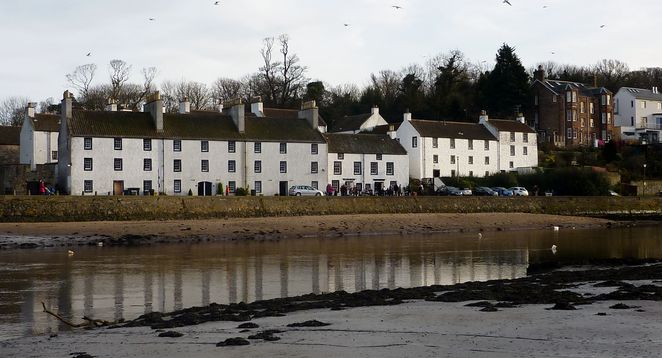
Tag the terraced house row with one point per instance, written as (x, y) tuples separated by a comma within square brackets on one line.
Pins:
[(262, 149)]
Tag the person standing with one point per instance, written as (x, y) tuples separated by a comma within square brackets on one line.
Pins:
[(42, 187)]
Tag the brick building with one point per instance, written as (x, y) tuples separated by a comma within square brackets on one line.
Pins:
[(571, 113)]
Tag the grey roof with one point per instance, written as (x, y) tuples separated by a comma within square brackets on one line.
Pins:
[(363, 144), (46, 122), (457, 130), (640, 93), (10, 135), (350, 123), (287, 113), (194, 125), (383, 129), (506, 125), (561, 86)]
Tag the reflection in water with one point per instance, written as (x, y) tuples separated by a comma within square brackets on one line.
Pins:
[(116, 283)]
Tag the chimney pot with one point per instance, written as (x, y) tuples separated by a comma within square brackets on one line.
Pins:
[(374, 110), (407, 116), (184, 106), (155, 108), (257, 107), (483, 117), (31, 109)]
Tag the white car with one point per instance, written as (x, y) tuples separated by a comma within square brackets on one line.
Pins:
[(519, 191), (304, 190)]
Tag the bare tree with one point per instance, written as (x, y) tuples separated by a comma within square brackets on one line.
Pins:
[(119, 72), (282, 82), (133, 95), (269, 70), (224, 89), (196, 92), (611, 73), (81, 78), (293, 78), (47, 105), (387, 82), (13, 110)]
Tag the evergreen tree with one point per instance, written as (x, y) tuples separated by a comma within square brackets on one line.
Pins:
[(507, 88)]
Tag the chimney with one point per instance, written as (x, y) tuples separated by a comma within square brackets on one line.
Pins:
[(184, 106), (595, 80), (374, 110), (257, 108), (520, 118), (31, 109), (406, 116), (391, 131), (539, 74), (237, 113), (66, 105), (484, 118), (220, 106), (155, 108), (111, 106), (310, 112), (655, 90)]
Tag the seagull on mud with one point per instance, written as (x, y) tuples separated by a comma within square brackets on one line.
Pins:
[(554, 249), (70, 252), (480, 235)]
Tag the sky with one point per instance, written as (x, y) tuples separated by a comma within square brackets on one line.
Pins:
[(195, 40)]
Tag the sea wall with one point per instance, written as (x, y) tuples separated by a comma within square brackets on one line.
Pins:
[(113, 208)]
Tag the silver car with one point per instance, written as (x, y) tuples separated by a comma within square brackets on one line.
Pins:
[(519, 191), (304, 190)]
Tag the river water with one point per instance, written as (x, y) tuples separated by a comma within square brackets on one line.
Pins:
[(114, 283)]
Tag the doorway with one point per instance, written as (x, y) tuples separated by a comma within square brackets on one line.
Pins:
[(204, 188), (436, 173), (118, 187), (282, 188)]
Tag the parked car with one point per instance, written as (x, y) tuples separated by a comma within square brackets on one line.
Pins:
[(449, 191), (613, 193), (304, 190), (484, 191), (466, 192), (519, 191), (503, 191)]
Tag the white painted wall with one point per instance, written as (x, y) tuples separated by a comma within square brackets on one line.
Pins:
[(631, 110), (519, 160), (400, 169), (404, 134), (26, 149), (462, 155), (37, 146)]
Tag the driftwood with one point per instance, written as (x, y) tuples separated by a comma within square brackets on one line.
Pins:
[(89, 322)]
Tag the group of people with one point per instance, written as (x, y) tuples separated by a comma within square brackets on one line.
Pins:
[(344, 190)]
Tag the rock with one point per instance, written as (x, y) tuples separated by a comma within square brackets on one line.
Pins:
[(267, 335), (80, 355), (311, 323), (620, 306), (600, 314), (479, 304), (489, 309), (171, 334), (236, 341), (563, 306), (248, 325)]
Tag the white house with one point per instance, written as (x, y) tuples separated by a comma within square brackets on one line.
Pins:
[(367, 162), (444, 149), (639, 114), (359, 123), (39, 138), (201, 152), (518, 147)]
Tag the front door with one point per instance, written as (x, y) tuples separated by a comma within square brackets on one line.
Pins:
[(282, 188), (204, 188), (436, 173), (118, 187), (378, 187)]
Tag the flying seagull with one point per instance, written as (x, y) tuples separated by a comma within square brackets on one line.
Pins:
[(89, 54), (217, 3), (347, 25), (396, 7), (507, 2), (151, 19), (602, 26)]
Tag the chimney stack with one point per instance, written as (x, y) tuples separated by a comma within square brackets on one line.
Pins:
[(184, 106), (237, 114), (406, 116), (31, 109), (391, 131), (374, 110), (66, 105), (595, 80), (310, 112), (539, 74), (111, 106), (655, 90), (484, 118), (520, 118), (257, 108), (155, 108)]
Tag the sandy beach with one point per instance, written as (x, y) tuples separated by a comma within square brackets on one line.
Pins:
[(273, 228)]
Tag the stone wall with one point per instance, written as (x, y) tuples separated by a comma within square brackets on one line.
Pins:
[(14, 178), (90, 208)]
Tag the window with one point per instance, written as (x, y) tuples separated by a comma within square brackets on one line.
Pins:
[(581, 107), (471, 173), (526, 151), (604, 118), (204, 165), (177, 185), (117, 164), (608, 118), (487, 160), (574, 116), (54, 155), (471, 159), (88, 186), (554, 98), (232, 166), (535, 100), (512, 136), (644, 122), (337, 168), (453, 172), (512, 165), (568, 96), (357, 168), (177, 165), (232, 146), (659, 106), (336, 185), (341, 156), (147, 164), (257, 147), (258, 187), (147, 145), (487, 173), (525, 137), (487, 145), (232, 185), (569, 133), (176, 145), (283, 166), (643, 104), (452, 143), (631, 104), (313, 148), (435, 159), (204, 145), (87, 143), (471, 144), (390, 168), (373, 168), (117, 143), (87, 164), (512, 150), (314, 184), (257, 166), (574, 97), (313, 167), (147, 185), (435, 142), (452, 159), (591, 108), (414, 142), (283, 148), (378, 157)]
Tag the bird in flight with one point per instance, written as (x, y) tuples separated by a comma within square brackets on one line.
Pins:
[(347, 25), (217, 2), (602, 26), (89, 54), (507, 2), (151, 19), (396, 7)]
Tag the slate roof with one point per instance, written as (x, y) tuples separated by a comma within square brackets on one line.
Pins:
[(505, 125), (10, 135), (46, 122), (383, 129), (457, 130), (561, 86), (350, 123), (640, 93), (286, 113), (363, 144), (195, 125)]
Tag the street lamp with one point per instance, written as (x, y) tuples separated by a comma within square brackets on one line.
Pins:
[(644, 194)]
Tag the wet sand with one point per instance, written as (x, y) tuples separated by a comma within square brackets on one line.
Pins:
[(274, 228)]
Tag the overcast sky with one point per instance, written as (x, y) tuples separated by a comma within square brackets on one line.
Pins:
[(43, 40)]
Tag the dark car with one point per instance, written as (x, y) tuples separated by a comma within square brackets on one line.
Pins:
[(485, 191), (502, 191), (449, 191)]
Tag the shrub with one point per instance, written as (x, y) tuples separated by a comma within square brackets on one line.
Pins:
[(241, 192)]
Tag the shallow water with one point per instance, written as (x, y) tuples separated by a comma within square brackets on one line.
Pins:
[(112, 283)]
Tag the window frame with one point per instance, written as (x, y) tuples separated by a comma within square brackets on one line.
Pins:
[(390, 168), (204, 146), (85, 186), (282, 166), (85, 143), (147, 164), (147, 145), (232, 146), (282, 148), (358, 168), (87, 168), (177, 165), (177, 185), (117, 143), (374, 168), (204, 165), (257, 166), (337, 168), (232, 166), (257, 147), (176, 145), (120, 167)]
